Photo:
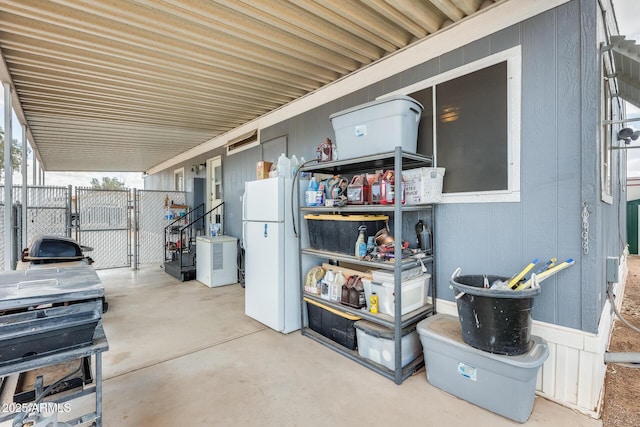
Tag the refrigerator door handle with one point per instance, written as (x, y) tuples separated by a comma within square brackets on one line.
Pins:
[(244, 241), (244, 203)]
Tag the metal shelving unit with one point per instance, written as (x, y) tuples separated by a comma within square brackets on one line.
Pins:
[(399, 161)]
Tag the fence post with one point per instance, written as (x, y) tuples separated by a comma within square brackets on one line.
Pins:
[(135, 229), (69, 211)]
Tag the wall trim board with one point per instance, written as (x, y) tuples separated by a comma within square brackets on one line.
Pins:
[(486, 22), (574, 373)]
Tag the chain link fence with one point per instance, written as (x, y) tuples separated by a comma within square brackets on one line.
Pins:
[(101, 219), (151, 223)]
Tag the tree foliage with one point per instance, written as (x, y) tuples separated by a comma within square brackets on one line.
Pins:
[(16, 155), (107, 183)]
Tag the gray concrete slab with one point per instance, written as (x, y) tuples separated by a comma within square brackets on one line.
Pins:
[(185, 354)]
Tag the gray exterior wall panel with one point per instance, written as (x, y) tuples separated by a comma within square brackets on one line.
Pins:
[(560, 167)]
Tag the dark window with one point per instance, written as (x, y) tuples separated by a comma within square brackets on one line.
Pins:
[(471, 129)]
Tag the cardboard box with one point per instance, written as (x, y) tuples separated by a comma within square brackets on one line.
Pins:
[(262, 170)]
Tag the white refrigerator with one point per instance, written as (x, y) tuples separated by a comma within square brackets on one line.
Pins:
[(272, 272)]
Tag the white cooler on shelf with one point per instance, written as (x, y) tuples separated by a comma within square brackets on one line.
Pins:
[(216, 262)]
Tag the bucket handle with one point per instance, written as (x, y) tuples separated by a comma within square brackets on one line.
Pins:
[(455, 274), (417, 113)]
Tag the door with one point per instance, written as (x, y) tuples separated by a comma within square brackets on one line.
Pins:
[(263, 273), (214, 187)]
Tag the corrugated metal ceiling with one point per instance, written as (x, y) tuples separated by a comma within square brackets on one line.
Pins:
[(115, 85)]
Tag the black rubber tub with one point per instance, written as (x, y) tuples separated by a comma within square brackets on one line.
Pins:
[(497, 321)]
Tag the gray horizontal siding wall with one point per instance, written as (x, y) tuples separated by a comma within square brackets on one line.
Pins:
[(559, 167)]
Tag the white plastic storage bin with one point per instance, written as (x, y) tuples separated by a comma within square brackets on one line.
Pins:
[(423, 185), (375, 342), (388, 275), (505, 385), (413, 294), (377, 127)]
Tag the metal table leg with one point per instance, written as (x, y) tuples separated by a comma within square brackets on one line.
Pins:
[(99, 389)]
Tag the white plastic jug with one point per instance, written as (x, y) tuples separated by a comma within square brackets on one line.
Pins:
[(284, 166), (325, 285), (336, 286), (294, 165)]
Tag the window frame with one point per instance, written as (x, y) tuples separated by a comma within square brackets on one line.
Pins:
[(606, 134), (176, 174), (513, 58)]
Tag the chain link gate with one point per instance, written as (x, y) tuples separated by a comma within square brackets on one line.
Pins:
[(103, 222), (48, 212), (150, 209)]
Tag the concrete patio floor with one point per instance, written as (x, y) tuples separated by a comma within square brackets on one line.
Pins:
[(184, 354)]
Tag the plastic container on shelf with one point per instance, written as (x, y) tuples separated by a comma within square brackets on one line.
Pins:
[(337, 233), (423, 185), (388, 275), (335, 289), (375, 342), (303, 174), (331, 323), (413, 294), (311, 195), (325, 285), (368, 128), (294, 165), (284, 166)]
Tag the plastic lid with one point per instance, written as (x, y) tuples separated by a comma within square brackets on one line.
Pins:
[(446, 328), (380, 331), (376, 102)]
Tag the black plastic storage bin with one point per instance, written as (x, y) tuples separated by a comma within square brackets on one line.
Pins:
[(333, 324), (338, 233), (497, 321)]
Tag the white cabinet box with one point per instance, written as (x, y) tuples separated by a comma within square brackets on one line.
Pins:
[(216, 262)]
